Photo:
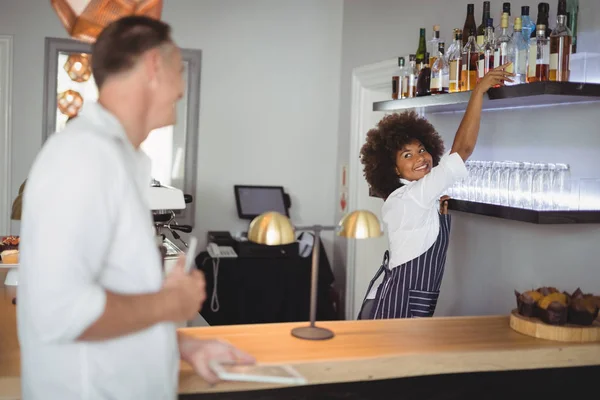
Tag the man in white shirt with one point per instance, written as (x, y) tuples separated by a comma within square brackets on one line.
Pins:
[(96, 319)]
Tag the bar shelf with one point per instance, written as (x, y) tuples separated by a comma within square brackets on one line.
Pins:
[(506, 97), (525, 215)]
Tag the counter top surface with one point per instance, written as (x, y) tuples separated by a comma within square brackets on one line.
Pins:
[(360, 350)]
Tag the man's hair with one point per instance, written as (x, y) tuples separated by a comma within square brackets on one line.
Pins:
[(378, 154), (123, 41)]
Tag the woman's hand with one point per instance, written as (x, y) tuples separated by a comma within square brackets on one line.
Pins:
[(444, 204), (496, 76)]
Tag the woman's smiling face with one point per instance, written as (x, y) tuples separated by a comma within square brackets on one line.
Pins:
[(413, 161)]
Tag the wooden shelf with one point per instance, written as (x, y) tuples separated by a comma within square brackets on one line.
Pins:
[(506, 97), (523, 215)]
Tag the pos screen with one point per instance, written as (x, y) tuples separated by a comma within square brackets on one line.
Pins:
[(251, 201)]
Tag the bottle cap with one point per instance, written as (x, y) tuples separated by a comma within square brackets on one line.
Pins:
[(518, 24), (504, 21), (412, 57), (525, 10), (489, 23), (562, 7), (401, 61)]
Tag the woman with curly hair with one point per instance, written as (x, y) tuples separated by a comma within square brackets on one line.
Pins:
[(404, 164)]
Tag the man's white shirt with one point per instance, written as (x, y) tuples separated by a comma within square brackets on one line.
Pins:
[(86, 228)]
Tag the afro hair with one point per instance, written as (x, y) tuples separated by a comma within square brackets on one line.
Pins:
[(378, 154)]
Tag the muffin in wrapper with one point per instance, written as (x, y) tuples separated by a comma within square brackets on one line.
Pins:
[(553, 308), (547, 290), (583, 309), (527, 303), (9, 243)]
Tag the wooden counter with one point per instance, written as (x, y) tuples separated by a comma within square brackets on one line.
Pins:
[(360, 351)]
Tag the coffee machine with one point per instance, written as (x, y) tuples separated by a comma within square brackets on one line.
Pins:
[(164, 201)]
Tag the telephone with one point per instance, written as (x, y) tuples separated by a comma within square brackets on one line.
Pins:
[(216, 251)]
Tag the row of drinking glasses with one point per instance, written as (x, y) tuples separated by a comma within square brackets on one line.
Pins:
[(536, 186)]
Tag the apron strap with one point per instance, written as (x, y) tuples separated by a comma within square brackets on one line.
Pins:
[(382, 269)]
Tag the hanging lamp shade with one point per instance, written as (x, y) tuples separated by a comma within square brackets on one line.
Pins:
[(69, 102), (85, 19), (79, 67)]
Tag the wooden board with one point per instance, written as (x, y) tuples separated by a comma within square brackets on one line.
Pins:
[(565, 333)]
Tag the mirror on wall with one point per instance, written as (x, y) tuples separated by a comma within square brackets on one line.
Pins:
[(69, 85)]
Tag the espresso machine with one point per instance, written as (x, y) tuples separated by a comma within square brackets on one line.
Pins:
[(164, 201)]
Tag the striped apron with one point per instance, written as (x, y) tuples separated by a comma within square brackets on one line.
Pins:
[(411, 289)]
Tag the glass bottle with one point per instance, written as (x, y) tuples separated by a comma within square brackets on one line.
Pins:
[(542, 62), (422, 49), (481, 29), (469, 23), (470, 58), (501, 55), (517, 54), (454, 58), (440, 79), (486, 57), (411, 78), (505, 10), (432, 45), (424, 79), (560, 46), (399, 80), (573, 14), (527, 25), (542, 19)]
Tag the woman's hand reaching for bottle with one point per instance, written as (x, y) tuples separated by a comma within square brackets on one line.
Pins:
[(496, 76)]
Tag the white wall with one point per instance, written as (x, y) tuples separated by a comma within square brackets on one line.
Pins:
[(488, 258), (269, 97)]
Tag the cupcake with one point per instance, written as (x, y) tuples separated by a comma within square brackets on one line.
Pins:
[(583, 309), (9, 243), (10, 256), (547, 290), (527, 303), (553, 308)]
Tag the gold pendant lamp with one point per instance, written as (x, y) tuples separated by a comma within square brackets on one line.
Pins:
[(85, 19)]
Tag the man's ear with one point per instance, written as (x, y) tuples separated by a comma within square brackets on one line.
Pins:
[(152, 65)]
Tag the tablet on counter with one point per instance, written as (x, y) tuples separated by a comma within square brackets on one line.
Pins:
[(273, 373)]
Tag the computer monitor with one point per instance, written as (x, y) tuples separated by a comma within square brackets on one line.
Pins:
[(251, 201)]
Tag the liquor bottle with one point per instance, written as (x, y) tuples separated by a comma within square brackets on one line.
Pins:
[(432, 45), (505, 9), (501, 55), (517, 54), (470, 58), (486, 57), (573, 13), (422, 49), (527, 25), (542, 62), (440, 78), (454, 61), (560, 46), (424, 79), (481, 29), (542, 19), (469, 23), (411, 78), (399, 80)]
